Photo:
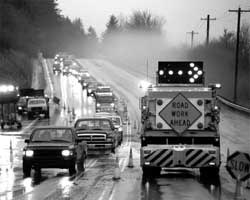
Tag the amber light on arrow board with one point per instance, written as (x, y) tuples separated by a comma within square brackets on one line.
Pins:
[(180, 73)]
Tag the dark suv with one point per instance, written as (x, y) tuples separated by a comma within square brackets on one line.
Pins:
[(53, 147)]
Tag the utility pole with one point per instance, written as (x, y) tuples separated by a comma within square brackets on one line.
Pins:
[(192, 37), (239, 11), (208, 26), (147, 69)]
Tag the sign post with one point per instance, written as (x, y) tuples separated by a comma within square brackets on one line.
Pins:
[(238, 166)]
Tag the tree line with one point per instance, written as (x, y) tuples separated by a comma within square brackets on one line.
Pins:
[(31, 26)]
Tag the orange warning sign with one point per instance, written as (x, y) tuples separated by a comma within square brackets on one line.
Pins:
[(180, 113)]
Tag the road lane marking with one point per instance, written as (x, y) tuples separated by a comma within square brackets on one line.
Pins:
[(29, 125), (103, 193), (49, 78)]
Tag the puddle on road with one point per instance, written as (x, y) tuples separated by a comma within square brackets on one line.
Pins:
[(180, 185)]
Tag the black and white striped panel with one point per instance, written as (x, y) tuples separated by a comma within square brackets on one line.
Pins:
[(162, 158), (198, 158)]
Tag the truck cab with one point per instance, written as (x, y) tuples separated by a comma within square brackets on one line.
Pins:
[(38, 107)]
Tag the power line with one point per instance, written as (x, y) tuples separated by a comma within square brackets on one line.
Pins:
[(239, 11), (208, 26)]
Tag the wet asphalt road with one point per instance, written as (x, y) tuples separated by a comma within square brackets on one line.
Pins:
[(97, 181)]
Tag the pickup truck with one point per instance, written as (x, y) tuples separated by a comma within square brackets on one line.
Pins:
[(38, 107), (53, 147), (99, 133)]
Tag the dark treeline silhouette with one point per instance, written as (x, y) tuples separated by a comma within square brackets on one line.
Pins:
[(31, 26)]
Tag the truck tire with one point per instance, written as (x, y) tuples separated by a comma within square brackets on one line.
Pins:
[(209, 172), (72, 169), (47, 115), (26, 169), (2, 125), (149, 171)]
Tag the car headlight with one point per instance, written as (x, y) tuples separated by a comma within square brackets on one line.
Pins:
[(98, 105), (120, 129), (19, 108), (29, 153), (66, 152)]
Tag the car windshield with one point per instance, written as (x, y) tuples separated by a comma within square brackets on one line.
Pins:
[(37, 101), (22, 100), (115, 120), (52, 135), (94, 124), (104, 99)]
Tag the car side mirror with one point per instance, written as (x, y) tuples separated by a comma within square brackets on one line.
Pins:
[(27, 140)]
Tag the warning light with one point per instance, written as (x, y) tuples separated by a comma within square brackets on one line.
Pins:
[(180, 73), (170, 72), (161, 72), (191, 80), (191, 64)]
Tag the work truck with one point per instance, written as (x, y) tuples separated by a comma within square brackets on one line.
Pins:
[(24, 95), (9, 95), (180, 118)]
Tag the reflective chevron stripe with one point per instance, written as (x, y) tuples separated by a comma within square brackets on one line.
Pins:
[(163, 158), (198, 158)]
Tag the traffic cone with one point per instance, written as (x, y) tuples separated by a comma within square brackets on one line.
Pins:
[(73, 113), (11, 145), (135, 124), (130, 161), (117, 172), (238, 190)]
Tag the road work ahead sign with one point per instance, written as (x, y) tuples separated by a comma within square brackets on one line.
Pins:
[(238, 165), (180, 113)]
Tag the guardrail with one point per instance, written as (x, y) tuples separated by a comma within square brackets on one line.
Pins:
[(233, 105)]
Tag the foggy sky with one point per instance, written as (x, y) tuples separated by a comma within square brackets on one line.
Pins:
[(181, 15)]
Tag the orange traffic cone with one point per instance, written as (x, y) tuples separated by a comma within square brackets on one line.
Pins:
[(130, 161), (135, 124), (10, 145), (117, 172)]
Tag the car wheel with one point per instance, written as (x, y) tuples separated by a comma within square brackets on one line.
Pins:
[(26, 170), (72, 169)]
